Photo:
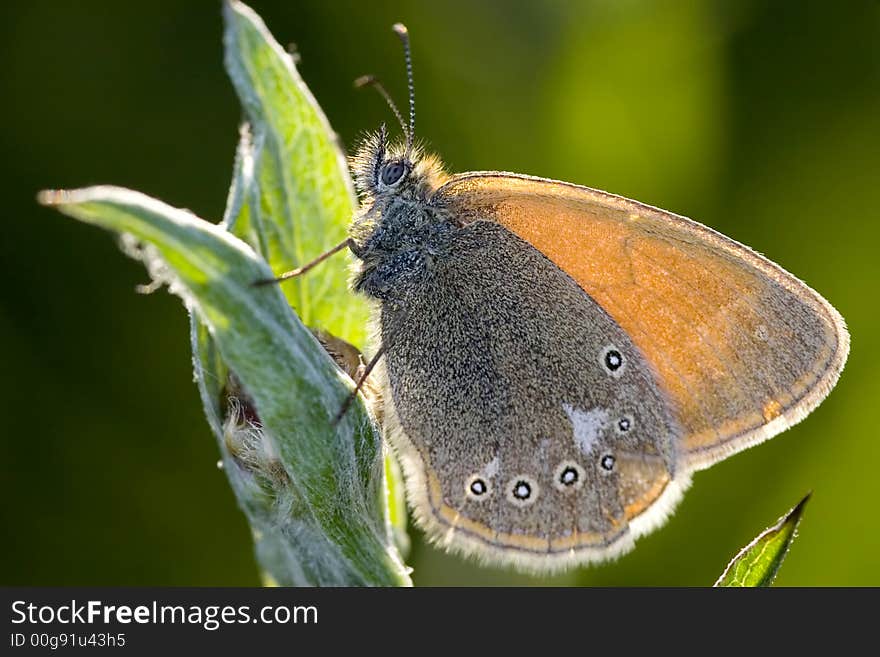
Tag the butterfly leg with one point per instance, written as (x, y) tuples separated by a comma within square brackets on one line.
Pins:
[(347, 243), (360, 384)]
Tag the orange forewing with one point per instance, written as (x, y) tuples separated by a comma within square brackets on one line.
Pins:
[(742, 348)]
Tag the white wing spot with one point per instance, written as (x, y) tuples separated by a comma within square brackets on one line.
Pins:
[(607, 462), (587, 426), (612, 360), (477, 488), (522, 491), (568, 476), (491, 468)]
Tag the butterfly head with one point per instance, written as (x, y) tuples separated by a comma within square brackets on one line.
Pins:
[(385, 170)]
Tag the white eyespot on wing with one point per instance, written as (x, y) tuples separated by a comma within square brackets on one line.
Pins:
[(612, 360), (607, 462), (522, 491), (624, 424), (569, 476), (587, 426), (478, 488)]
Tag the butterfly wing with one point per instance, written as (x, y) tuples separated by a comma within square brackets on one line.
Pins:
[(531, 428), (742, 348)]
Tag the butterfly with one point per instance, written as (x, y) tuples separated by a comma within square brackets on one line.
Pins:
[(556, 361)]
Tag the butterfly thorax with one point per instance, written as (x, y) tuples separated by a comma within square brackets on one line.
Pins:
[(398, 232)]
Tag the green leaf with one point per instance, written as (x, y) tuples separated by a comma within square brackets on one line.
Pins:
[(297, 198), (313, 492), (397, 504), (292, 198), (759, 561)]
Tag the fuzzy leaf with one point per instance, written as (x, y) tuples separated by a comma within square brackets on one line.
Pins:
[(313, 493), (292, 197), (297, 197)]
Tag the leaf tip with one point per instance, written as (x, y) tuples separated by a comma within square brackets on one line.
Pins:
[(231, 5), (799, 507), (52, 197), (793, 517), (233, 9)]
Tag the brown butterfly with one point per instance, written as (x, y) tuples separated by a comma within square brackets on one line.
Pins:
[(556, 361)]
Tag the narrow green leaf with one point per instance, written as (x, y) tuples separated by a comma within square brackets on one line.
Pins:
[(759, 561), (397, 504), (297, 199), (313, 493)]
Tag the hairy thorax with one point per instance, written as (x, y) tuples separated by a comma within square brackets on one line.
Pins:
[(396, 241)]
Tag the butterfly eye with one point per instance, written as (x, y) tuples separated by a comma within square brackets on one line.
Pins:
[(392, 173)]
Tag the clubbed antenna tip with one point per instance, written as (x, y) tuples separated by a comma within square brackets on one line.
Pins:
[(401, 31)]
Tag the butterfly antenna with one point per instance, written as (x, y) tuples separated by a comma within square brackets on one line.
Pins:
[(373, 81), (401, 31)]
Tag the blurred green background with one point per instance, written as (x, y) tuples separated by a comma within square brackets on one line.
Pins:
[(760, 119)]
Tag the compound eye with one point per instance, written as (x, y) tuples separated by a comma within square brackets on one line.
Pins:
[(392, 173)]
